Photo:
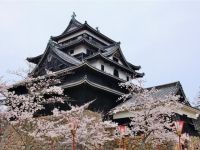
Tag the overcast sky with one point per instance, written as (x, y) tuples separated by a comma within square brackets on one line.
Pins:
[(161, 36)]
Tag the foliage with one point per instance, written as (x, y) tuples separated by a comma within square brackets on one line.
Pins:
[(64, 127), (151, 114), (90, 135), (88, 131), (36, 92)]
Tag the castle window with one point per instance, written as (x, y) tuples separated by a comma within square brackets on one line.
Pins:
[(127, 78), (49, 57), (71, 51), (89, 52), (116, 73), (115, 59), (102, 67)]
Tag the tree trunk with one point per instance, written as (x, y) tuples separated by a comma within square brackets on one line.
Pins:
[(52, 145), (73, 139)]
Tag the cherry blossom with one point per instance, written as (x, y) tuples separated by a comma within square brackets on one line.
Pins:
[(75, 128), (151, 113)]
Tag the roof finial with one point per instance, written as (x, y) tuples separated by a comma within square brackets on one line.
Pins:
[(73, 15), (97, 28)]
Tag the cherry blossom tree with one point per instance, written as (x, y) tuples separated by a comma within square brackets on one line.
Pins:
[(151, 114), (26, 100), (3, 88), (37, 92), (77, 128)]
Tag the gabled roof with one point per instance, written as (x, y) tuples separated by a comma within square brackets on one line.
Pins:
[(81, 27), (163, 90), (73, 24), (101, 50), (116, 48), (109, 60), (109, 50), (51, 47), (100, 55), (78, 41), (36, 59), (172, 88)]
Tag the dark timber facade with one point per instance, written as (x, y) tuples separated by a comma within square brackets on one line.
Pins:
[(89, 64)]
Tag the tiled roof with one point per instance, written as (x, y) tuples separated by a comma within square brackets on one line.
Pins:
[(163, 90), (93, 84), (66, 57), (73, 24), (103, 51), (84, 26), (34, 60), (110, 50), (167, 89)]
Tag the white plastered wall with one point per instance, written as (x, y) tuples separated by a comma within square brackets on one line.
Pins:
[(108, 68), (79, 49), (119, 61)]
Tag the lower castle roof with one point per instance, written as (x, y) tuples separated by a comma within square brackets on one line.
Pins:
[(85, 80)]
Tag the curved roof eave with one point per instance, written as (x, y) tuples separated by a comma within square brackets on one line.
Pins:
[(86, 81), (118, 48), (51, 47), (44, 54), (35, 59)]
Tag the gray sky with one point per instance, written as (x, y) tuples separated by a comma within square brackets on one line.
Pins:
[(161, 36)]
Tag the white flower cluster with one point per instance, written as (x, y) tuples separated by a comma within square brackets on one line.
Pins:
[(151, 113), (54, 90), (23, 106), (89, 132)]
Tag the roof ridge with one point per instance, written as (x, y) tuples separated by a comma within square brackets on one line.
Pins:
[(111, 45), (165, 85), (74, 22), (79, 27), (80, 40), (91, 83)]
